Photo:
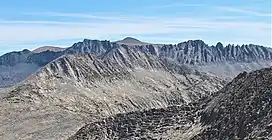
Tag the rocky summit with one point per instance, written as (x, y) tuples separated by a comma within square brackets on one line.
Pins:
[(241, 110)]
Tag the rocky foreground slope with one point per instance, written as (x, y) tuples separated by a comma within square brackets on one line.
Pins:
[(78, 88), (223, 61), (241, 110)]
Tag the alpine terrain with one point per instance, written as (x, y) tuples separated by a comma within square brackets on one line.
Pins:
[(130, 89), (78, 88), (240, 110)]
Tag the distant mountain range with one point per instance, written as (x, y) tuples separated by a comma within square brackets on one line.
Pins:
[(225, 62)]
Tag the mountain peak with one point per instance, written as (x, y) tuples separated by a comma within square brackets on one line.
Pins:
[(48, 48), (26, 51), (199, 41), (131, 41)]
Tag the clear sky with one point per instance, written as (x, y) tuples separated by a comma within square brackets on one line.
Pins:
[(33, 23)]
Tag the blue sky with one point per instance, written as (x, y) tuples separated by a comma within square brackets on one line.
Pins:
[(33, 23)]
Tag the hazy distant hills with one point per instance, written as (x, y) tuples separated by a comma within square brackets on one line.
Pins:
[(223, 61)]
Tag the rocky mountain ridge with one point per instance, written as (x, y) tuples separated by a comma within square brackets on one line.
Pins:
[(194, 52), (229, 60)]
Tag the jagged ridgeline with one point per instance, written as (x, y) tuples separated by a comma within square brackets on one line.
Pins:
[(241, 110), (225, 62)]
